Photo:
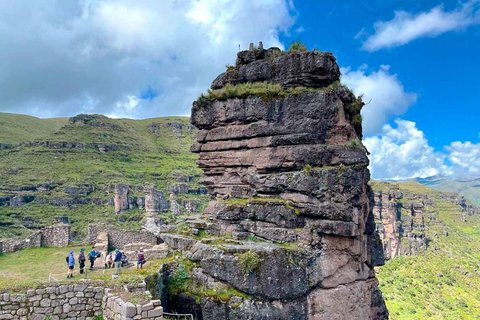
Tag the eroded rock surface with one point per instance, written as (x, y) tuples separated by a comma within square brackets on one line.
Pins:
[(400, 221), (291, 212)]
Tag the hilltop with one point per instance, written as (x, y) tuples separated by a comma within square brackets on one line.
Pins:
[(468, 187), (68, 171), (18, 128)]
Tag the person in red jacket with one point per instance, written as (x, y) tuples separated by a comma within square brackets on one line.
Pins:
[(141, 259)]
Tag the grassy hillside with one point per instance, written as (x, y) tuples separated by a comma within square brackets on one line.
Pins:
[(18, 128), (469, 188), (444, 281), (93, 150)]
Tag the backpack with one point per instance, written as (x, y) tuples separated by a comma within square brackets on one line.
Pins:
[(66, 259)]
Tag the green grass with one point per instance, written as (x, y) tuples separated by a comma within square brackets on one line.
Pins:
[(441, 282), (297, 46), (150, 151), (31, 267), (18, 128)]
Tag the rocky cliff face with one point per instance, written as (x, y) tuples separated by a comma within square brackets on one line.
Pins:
[(401, 225), (288, 178), (402, 217)]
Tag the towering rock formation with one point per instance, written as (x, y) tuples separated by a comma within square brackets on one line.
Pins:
[(284, 164)]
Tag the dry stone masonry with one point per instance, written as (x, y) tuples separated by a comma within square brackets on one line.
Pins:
[(52, 236), (288, 169), (83, 301)]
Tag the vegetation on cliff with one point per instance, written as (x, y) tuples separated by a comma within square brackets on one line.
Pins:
[(443, 282), (93, 151)]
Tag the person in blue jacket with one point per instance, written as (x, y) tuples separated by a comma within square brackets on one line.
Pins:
[(118, 261), (71, 264)]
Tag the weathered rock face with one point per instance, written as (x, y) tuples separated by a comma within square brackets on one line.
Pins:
[(400, 222), (120, 197), (290, 171), (155, 201)]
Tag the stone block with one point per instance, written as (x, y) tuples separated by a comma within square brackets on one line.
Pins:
[(157, 312), (129, 310), (45, 303), (148, 306)]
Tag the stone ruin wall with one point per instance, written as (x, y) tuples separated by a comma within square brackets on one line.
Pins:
[(76, 302), (52, 236), (79, 301), (118, 238)]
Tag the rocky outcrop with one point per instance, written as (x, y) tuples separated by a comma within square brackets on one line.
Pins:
[(309, 69), (401, 223), (120, 197), (155, 201), (290, 172)]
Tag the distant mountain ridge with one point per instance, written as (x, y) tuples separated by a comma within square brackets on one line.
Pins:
[(469, 187)]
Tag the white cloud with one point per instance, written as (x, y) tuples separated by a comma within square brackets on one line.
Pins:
[(383, 93), (404, 153), (66, 57), (465, 156), (406, 27)]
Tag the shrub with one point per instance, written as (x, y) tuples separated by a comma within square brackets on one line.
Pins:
[(297, 46), (307, 168), (357, 119), (249, 261)]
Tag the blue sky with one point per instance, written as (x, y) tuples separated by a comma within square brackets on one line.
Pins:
[(415, 62), (443, 70)]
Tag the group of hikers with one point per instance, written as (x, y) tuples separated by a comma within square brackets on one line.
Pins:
[(114, 258)]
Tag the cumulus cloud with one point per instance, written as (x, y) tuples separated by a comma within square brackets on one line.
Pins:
[(406, 27), (465, 157), (403, 152), (124, 58), (382, 91)]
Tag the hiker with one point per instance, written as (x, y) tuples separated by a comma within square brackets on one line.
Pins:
[(141, 259), (81, 260), (71, 264), (118, 261), (109, 261), (124, 260), (94, 254)]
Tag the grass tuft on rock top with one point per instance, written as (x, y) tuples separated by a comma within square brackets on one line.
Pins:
[(297, 46), (265, 90)]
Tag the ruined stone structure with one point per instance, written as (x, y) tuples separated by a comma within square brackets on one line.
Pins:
[(79, 302), (52, 236), (287, 168), (120, 238)]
